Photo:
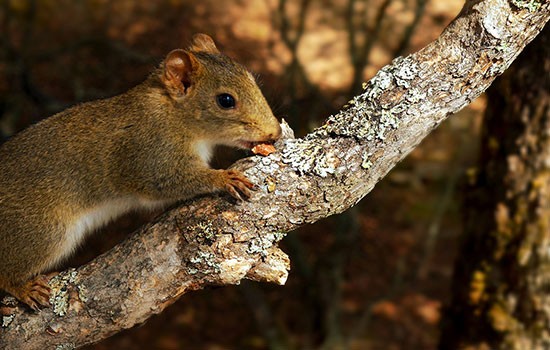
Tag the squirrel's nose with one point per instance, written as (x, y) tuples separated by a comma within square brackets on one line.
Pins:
[(276, 134)]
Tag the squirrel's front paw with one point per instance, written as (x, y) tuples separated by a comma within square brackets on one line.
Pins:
[(237, 184)]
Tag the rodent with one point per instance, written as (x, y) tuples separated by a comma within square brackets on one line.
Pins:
[(149, 147)]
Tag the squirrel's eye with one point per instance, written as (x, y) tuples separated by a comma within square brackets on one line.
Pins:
[(225, 101)]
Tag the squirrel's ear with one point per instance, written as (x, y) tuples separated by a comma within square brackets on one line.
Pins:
[(178, 70), (203, 43)]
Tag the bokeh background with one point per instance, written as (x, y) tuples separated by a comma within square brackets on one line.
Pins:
[(375, 277)]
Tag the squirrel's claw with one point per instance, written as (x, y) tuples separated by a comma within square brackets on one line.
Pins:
[(238, 186), (35, 293)]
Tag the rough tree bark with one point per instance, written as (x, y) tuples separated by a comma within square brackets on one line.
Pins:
[(213, 241), (502, 275)]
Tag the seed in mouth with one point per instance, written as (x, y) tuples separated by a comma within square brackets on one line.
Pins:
[(263, 149)]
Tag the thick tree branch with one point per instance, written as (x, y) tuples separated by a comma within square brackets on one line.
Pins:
[(213, 241)]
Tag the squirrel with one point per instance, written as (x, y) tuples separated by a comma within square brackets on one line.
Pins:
[(149, 147)]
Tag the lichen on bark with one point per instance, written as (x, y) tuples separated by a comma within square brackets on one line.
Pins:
[(507, 211)]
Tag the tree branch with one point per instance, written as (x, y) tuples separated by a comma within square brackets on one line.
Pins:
[(210, 241)]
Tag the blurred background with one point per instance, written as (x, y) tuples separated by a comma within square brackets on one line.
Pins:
[(375, 277)]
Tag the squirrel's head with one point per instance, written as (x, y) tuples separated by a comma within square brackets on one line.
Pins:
[(219, 94)]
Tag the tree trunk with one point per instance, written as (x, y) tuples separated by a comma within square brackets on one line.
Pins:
[(213, 241), (501, 286)]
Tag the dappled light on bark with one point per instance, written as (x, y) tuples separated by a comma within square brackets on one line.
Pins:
[(212, 241)]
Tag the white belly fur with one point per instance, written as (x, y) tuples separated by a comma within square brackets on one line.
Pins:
[(204, 149), (96, 217)]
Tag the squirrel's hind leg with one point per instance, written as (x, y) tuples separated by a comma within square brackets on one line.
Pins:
[(35, 292)]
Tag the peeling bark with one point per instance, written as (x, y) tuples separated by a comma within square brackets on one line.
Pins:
[(502, 275), (213, 241)]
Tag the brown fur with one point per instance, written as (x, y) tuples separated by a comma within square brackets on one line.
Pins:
[(60, 177)]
